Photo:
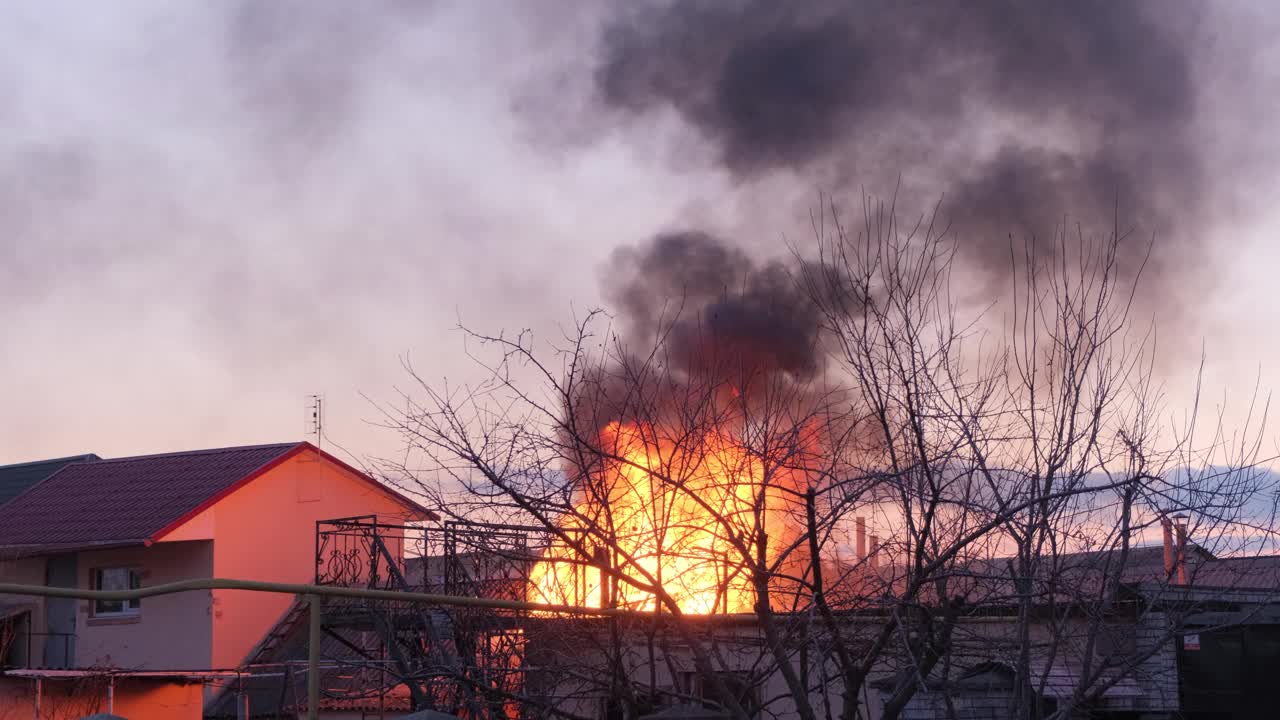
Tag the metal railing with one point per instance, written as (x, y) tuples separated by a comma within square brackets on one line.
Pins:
[(455, 558), (316, 595), (51, 639)]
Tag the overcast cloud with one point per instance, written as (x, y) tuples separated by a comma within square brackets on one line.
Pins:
[(209, 210)]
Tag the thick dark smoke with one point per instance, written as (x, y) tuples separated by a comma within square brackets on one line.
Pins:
[(1023, 112), (725, 327), (716, 306)]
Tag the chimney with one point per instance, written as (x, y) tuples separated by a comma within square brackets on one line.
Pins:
[(874, 557), (1180, 522), (1167, 527), (860, 523)]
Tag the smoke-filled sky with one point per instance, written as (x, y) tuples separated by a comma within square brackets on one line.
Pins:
[(210, 210)]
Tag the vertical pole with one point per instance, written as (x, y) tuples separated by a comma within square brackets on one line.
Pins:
[(1167, 526), (242, 700), (37, 698), (242, 707), (111, 694), (313, 658), (382, 664), (1181, 527), (860, 537)]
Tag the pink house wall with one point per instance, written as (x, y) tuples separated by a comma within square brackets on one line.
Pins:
[(266, 531), (170, 632)]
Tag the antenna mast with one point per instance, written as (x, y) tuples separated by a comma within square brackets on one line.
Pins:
[(315, 417)]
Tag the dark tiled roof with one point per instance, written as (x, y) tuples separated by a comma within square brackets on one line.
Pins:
[(127, 499), (16, 479)]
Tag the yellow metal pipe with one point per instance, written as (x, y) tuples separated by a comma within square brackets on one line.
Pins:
[(327, 591)]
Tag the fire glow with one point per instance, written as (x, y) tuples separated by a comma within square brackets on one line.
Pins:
[(686, 515)]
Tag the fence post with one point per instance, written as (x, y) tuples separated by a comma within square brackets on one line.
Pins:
[(313, 657)]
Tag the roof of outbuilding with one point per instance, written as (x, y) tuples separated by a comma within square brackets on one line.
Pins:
[(18, 478), (130, 499)]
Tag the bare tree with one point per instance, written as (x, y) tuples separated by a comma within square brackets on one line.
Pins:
[(1022, 463), (679, 493), (1007, 469)]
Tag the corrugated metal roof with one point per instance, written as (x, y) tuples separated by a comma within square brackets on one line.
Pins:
[(127, 500), (18, 478)]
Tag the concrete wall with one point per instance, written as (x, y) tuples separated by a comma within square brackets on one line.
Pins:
[(266, 531), (59, 700), (72, 699), (173, 632), (1158, 673), (738, 649), (1147, 637), (151, 700), (982, 640)]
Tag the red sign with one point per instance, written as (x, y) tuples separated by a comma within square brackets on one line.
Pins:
[(1191, 642)]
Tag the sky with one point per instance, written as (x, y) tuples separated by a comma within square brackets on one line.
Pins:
[(209, 211)]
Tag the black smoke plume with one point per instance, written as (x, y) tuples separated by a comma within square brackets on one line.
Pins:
[(1023, 112), (715, 306), (705, 328)]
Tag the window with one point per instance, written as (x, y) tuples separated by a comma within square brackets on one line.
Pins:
[(121, 578)]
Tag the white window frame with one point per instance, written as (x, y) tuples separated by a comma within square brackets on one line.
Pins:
[(129, 608)]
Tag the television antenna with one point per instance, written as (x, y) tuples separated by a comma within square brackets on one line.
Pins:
[(315, 417)]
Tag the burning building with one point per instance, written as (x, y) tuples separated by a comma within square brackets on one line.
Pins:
[(702, 466)]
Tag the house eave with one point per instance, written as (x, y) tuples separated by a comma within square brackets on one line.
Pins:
[(15, 552)]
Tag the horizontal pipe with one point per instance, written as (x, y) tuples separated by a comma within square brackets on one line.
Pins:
[(366, 593), (298, 589)]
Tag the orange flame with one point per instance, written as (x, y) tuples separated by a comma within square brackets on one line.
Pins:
[(683, 516)]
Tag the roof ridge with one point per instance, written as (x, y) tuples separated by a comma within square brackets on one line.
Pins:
[(150, 496), (207, 451), (68, 458)]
